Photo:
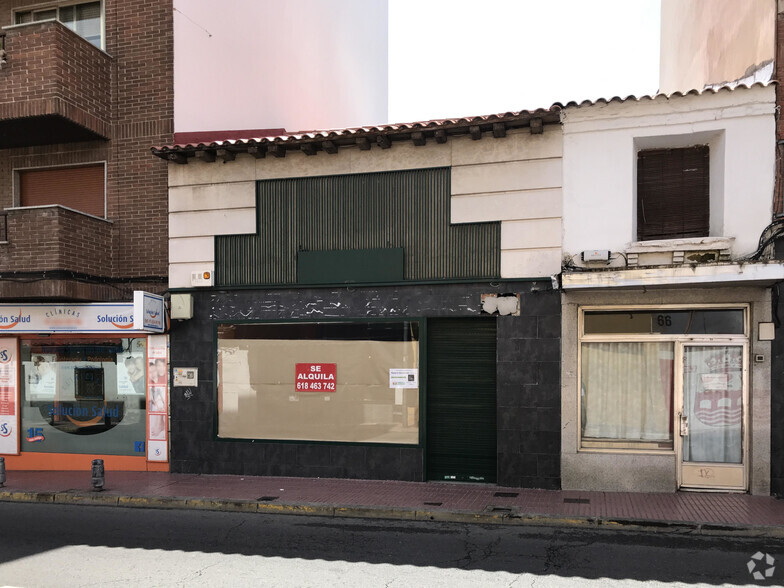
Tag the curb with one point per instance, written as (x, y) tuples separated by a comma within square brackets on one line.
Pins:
[(394, 513)]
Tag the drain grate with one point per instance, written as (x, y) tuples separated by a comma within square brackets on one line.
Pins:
[(498, 509), (506, 494), (433, 503), (577, 501), (267, 498)]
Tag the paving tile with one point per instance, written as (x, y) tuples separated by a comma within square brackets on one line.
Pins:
[(677, 507)]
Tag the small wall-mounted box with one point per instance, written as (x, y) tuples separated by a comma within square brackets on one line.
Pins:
[(181, 306), (596, 255), (201, 279), (766, 331)]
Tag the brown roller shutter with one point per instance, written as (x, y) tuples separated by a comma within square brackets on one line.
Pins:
[(673, 197), (80, 188)]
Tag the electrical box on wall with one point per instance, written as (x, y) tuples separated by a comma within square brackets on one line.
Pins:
[(181, 306), (201, 279), (596, 255), (766, 331)]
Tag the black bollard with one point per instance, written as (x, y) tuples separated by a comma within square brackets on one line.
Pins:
[(2, 471), (99, 478)]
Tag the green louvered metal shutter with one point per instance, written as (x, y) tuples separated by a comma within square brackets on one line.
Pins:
[(461, 399), (358, 214)]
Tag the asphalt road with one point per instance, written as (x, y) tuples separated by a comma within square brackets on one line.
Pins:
[(62, 546)]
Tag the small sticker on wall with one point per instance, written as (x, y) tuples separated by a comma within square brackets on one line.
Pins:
[(156, 451), (186, 377), (403, 378)]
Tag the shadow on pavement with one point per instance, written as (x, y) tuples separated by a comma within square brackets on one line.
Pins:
[(31, 529)]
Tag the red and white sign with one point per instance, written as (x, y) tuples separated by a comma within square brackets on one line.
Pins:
[(9, 419), (315, 377)]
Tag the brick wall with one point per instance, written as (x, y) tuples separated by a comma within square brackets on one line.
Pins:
[(55, 238), (51, 70), (140, 38), (139, 101), (778, 198)]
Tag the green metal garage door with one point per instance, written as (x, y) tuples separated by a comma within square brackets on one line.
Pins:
[(461, 400)]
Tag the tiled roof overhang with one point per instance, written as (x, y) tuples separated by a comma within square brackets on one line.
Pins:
[(383, 136), (330, 141)]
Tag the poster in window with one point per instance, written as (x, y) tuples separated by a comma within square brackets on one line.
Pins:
[(403, 378), (9, 405), (131, 375), (157, 397), (41, 374)]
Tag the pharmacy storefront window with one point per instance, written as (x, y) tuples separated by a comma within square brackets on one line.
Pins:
[(629, 396), (83, 395), (341, 382)]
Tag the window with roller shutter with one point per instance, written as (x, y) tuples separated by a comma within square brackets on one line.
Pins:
[(673, 196), (81, 188)]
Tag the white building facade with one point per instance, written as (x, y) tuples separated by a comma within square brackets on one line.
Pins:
[(666, 313)]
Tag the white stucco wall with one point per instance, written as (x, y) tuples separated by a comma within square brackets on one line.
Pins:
[(600, 159), (515, 180), (298, 64)]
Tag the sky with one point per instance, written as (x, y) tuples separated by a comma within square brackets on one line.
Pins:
[(252, 64), (452, 58)]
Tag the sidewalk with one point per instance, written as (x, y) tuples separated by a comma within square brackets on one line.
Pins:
[(707, 513)]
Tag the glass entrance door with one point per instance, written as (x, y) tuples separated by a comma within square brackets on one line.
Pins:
[(711, 424)]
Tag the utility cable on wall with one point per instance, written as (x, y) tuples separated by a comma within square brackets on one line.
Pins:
[(209, 34)]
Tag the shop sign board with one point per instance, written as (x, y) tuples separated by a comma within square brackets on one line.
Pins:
[(315, 377), (9, 419), (96, 317), (151, 310)]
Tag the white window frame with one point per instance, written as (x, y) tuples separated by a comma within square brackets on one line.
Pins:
[(642, 447), (55, 5)]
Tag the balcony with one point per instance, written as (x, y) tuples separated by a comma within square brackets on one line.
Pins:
[(46, 251), (56, 87)]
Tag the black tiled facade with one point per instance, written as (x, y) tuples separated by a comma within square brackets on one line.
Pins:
[(528, 382)]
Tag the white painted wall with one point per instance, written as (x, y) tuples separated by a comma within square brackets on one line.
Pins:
[(599, 162), (515, 180), (298, 64)]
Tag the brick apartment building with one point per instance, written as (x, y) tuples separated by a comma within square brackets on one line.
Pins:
[(85, 89), (81, 104)]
